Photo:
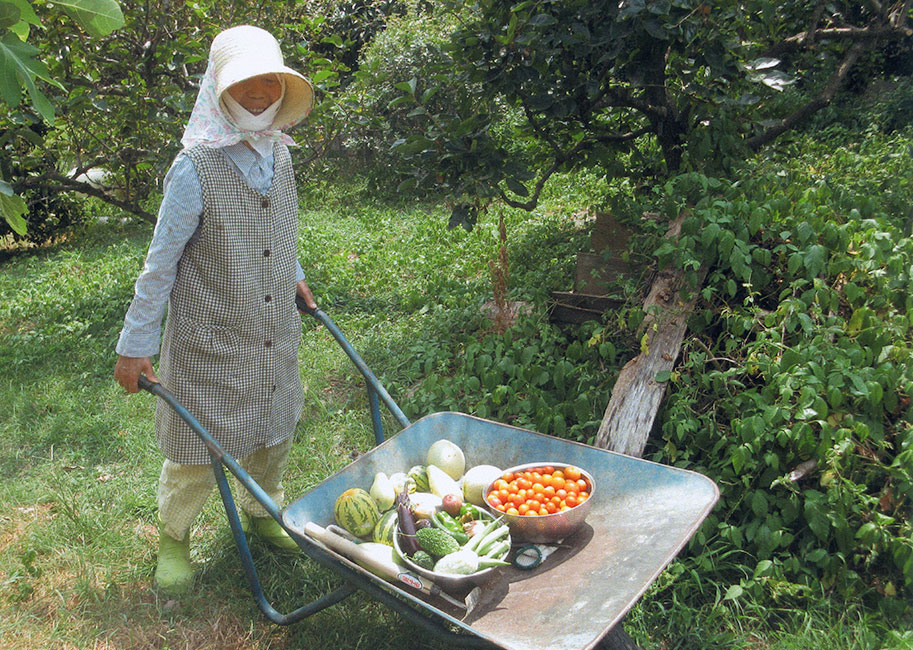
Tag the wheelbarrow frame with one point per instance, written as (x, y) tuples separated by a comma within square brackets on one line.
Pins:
[(221, 459)]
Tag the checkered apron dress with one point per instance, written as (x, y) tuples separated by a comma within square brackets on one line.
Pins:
[(230, 348)]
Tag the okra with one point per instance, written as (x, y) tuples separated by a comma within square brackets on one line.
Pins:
[(476, 540), (491, 538)]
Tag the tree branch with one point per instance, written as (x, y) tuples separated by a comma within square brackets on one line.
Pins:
[(816, 104), (869, 33), (562, 157), (61, 183)]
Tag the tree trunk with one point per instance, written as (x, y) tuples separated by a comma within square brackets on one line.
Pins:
[(637, 395)]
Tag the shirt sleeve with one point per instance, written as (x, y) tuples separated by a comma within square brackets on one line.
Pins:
[(178, 219)]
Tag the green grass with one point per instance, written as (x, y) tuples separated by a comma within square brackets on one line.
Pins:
[(80, 465)]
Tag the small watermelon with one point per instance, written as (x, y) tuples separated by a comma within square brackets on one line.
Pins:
[(356, 511), (385, 527)]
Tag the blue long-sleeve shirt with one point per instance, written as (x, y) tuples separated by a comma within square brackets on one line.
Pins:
[(178, 221)]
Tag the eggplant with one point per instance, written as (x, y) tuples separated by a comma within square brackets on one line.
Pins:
[(407, 540)]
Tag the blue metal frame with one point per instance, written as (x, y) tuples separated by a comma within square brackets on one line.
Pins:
[(376, 392), (222, 459)]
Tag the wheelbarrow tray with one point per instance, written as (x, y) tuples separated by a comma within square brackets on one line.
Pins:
[(642, 514)]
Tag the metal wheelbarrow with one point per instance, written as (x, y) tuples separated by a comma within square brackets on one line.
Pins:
[(641, 518)]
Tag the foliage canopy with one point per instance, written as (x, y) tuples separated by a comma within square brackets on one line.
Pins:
[(638, 88)]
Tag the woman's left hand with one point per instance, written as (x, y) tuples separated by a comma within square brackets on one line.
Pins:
[(305, 292)]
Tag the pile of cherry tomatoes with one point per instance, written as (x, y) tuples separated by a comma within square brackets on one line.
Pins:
[(539, 491)]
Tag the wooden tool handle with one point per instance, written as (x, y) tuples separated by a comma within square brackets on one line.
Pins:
[(387, 570)]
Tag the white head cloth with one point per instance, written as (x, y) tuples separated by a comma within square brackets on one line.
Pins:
[(217, 120)]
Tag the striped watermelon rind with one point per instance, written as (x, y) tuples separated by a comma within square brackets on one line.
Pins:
[(385, 528), (356, 511)]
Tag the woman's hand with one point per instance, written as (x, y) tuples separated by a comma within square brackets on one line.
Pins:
[(305, 292), (128, 369)]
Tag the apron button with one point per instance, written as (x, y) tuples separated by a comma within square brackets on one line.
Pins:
[(268, 344), (264, 204), (266, 253), (267, 298)]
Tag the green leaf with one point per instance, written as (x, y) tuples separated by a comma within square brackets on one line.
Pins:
[(19, 67), (790, 358), (516, 187), (9, 15), (542, 20), (335, 39), (763, 568), (98, 17), (734, 592), (794, 263), (26, 13), (815, 259), (407, 86), (321, 75), (12, 207)]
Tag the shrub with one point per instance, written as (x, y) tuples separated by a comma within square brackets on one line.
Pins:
[(408, 47), (794, 391)]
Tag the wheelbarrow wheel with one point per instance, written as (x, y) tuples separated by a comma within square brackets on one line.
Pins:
[(617, 639)]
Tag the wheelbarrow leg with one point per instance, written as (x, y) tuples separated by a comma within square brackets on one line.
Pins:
[(247, 562)]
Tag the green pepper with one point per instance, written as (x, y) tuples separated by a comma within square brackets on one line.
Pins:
[(469, 512), (450, 525)]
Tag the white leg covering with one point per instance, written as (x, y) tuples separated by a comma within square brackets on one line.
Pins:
[(183, 489), (182, 493), (266, 466)]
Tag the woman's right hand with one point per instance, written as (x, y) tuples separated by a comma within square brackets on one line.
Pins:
[(128, 369)]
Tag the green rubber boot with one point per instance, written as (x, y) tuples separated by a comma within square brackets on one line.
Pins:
[(270, 530), (173, 573)]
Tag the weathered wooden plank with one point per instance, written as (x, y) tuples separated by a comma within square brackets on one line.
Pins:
[(570, 307), (637, 395)]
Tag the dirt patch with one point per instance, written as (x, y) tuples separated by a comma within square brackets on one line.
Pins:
[(162, 626), (16, 525)]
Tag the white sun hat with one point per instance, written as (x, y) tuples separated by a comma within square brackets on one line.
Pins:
[(235, 55), (246, 51)]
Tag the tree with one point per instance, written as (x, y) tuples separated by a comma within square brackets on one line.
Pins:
[(640, 88), (111, 109), (20, 70)]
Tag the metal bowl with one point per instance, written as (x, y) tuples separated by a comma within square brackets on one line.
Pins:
[(543, 529), (447, 580)]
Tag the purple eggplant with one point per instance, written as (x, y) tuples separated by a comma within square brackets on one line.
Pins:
[(407, 541)]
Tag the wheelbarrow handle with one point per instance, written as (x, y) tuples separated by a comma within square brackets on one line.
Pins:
[(147, 384), (375, 390)]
